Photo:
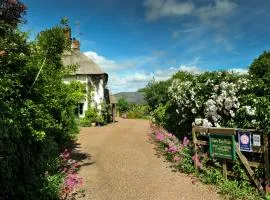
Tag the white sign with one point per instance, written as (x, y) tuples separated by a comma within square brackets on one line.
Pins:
[(256, 140)]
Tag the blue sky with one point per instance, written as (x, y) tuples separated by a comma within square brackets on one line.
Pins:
[(136, 40)]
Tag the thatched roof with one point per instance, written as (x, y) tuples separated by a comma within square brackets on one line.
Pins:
[(85, 64)]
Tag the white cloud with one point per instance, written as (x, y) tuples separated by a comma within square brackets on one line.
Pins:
[(129, 82), (111, 65), (106, 64), (239, 70), (192, 69), (137, 80), (221, 8), (213, 15), (134, 81), (124, 76), (166, 8)]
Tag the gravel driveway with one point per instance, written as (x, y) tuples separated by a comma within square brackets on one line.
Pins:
[(119, 163)]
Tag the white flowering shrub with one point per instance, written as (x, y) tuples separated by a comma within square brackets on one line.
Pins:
[(221, 108), (215, 99), (184, 95)]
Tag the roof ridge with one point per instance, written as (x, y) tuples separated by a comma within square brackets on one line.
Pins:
[(85, 64)]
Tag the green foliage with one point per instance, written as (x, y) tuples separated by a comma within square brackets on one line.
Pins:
[(91, 116), (214, 99), (260, 68), (52, 186), (106, 113), (219, 98), (160, 115), (138, 112), (100, 119), (37, 112), (209, 171), (122, 105), (238, 189), (77, 91), (186, 165), (64, 21), (156, 93)]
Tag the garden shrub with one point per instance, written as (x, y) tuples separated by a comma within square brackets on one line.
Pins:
[(160, 115), (214, 99), (37, 113), (209, 171), (91, 116), (106, 113), (123, 105), (138, 112)]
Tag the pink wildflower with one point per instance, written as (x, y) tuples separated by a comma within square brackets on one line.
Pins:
[(176, 158), (76, 165), (197, 161), (185, 141), (72, 182), (173, 149), (66, 154), (160, 137)]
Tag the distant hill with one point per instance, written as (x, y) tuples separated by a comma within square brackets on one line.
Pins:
[(131, 97)]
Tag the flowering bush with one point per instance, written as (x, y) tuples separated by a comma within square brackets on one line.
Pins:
[(175, 151), (209, 171), (213, 99), (72, 182), (210, 99)]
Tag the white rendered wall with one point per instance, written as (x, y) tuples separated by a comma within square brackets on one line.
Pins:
[(97, 92), (96, 86)]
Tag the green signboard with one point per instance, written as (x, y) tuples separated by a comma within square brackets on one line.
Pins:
[(222, 146)]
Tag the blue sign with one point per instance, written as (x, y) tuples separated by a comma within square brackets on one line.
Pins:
[(244, 140)]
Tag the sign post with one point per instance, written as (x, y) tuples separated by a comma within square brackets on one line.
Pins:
[(222, 146), (244, 139), (256, 140)]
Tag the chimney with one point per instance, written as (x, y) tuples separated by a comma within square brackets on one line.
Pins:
[(75, 44), (67, 33)]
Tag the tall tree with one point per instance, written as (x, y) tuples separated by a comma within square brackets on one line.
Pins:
[(11, 12)]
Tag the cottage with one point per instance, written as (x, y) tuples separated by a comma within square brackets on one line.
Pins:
[(89, 73)]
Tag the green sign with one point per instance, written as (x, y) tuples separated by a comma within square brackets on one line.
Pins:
[(222, 146)]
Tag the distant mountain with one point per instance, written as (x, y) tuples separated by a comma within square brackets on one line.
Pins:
[(131, 97)]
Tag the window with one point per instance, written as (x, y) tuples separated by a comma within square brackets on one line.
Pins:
[(81, 108)]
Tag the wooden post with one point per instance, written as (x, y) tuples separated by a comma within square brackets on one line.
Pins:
[(224, 169), (266, 161), (195, 148)]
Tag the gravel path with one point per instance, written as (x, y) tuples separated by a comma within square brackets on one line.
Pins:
[(119, 163)]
